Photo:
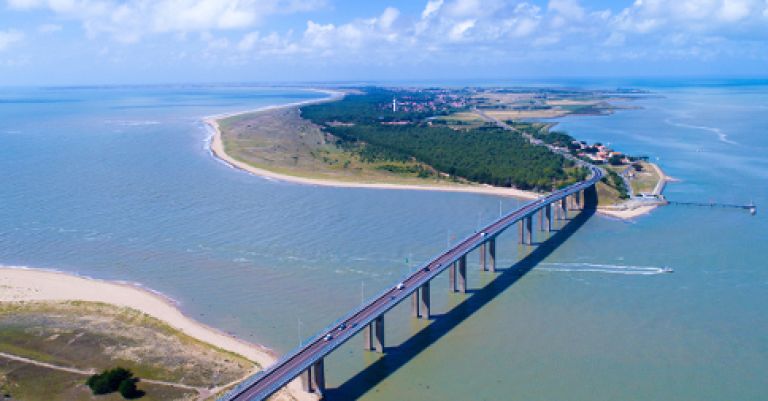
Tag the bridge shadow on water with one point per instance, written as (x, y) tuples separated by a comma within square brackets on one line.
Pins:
[(396, 357)]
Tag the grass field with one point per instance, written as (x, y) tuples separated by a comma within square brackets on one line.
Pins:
[(644, 180), (24, 382), (607, 195), (93, 336), (280, 141)]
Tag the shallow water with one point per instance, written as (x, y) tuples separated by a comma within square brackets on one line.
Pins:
[(117, 183)]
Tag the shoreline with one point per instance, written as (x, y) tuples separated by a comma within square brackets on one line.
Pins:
[(25, 284)]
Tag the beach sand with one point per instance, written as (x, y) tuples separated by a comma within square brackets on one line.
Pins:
[(628, 214), (22, 284)]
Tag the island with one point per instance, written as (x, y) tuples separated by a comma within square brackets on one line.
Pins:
[(497, 141)]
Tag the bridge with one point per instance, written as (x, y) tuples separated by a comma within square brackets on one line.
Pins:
[(307, 360)]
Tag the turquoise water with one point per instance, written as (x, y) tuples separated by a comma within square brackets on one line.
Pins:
[(117, 183)]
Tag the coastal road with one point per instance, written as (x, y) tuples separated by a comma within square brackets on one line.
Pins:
[(267, 382)]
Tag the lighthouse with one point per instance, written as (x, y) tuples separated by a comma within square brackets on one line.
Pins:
[(394, 105)]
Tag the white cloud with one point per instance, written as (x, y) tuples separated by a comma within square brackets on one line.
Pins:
[(734, 10), (9, 38), (458, 30), (388, 17), (248, 41), (130, 20), (701, 15), (523, 27), (431, 8), (196, 15), (24, 4), (569, 9), (319, 35), (465, 8)]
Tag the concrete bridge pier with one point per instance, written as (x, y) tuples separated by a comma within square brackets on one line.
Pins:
[(590, 198), (548, 213), (541, 219), (378, 334), (425, 300), (415, 304), (564, 207), (521, 232), (306, 380), (373, 339), (529, 230), (313, 379), (463, 274), (483, 266), (452, 277), (318, 377), (492, 253), (368, 337)]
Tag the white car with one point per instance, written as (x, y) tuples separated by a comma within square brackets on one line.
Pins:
[(400, 286), (482, 234), (328, 337)]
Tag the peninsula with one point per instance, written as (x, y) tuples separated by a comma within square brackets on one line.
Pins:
[(436, 139)]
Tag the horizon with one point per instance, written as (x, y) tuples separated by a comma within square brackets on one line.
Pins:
[(586, 82), (103, 42)]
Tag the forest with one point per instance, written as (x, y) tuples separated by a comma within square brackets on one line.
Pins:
[(487, 155)]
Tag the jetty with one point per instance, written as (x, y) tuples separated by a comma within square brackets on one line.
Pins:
[(751, 207)]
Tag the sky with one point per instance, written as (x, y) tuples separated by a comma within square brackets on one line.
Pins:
[(71, 42)]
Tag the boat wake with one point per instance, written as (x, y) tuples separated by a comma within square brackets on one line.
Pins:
[(720, 134), (601, 268)]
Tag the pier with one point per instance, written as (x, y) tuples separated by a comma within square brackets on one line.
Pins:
[(307, 361), (751, 207)]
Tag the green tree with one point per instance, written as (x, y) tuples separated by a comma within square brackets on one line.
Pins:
[(128, 389), (108, 381), (117, 379), (616, 160)]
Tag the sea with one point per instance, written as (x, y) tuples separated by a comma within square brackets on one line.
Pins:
[(118, 183)]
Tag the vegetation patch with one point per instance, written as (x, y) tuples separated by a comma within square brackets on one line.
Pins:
[(483, 154), (87, 336), (112, 380)]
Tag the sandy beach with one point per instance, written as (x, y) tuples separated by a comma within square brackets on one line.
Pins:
[(628, 214), (23, 284)]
